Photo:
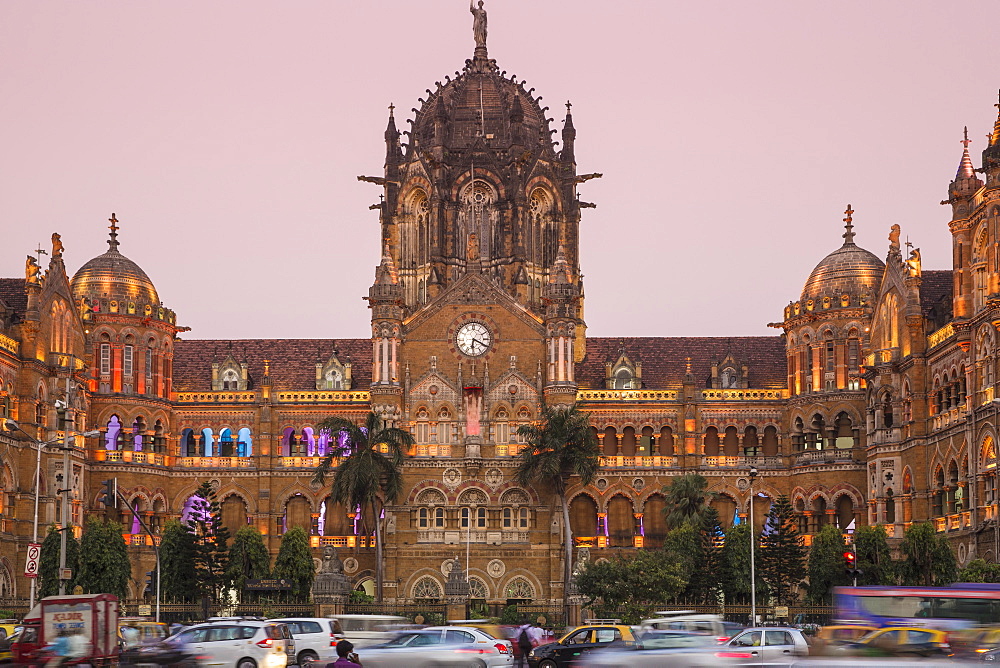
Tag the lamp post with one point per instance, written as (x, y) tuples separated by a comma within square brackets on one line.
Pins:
[(753, 565), (12, 425)]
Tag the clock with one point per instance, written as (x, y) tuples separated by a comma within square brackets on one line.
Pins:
[(473, 339)]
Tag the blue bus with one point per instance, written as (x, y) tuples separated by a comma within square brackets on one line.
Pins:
[(961, 605)]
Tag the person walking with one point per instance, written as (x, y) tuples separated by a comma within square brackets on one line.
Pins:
[(524, 644)]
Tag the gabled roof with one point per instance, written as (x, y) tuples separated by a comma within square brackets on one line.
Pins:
[(13, 294), (293, 361), (664, 359)]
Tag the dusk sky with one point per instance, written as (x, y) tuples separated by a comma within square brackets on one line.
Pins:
[(227, 137)]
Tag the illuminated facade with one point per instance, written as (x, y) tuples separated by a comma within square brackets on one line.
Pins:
[(875, 404)]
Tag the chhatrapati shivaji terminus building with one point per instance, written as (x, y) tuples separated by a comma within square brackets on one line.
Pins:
[(872, 403)]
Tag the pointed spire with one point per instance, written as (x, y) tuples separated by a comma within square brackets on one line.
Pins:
[(393, 152), (849, 226), (113, 241), (995, 137), (965, 168), (569, 135), (560, 269), (386, 273)]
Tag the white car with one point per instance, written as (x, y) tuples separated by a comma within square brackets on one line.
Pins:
[(316, 638), (239, 643), (440, 647)]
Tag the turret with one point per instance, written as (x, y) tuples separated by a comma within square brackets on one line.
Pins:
[(960, 195), (568, 153), (991, 156), (393, 151)]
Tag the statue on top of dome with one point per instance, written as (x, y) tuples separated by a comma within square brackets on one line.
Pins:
[(478, 22)]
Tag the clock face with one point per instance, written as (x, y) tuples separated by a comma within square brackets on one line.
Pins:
[(473, 339)]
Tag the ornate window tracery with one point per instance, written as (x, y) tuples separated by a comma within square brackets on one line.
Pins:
[(427, 589), (519, 588)]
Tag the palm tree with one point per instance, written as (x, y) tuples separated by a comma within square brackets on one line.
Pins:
[(686, 501), (559, 447), (365, 477)]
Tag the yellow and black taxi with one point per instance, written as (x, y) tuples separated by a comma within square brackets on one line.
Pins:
[(597, 634), (899, 641)]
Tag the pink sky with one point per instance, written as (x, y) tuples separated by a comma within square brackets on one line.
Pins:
[(227, 137)]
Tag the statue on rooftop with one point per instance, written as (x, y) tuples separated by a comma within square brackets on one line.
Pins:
[(57, 245), (31, 270), (478, 22)]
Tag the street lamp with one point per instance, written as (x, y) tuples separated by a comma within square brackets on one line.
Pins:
[(12, 425), (753, 566)]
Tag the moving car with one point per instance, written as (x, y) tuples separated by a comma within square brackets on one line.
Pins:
[(440, 647), (578, 643), (899, 641), (770, 646), (656, 648), (366, 630), (316, 638), (239, 643)]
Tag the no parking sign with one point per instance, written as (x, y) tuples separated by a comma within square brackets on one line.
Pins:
[(31, 565)]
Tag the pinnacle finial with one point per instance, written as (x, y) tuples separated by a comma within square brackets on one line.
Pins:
[(995, 136), (965, 168), (965, 137), (569, 107), (113, 241), (392, 107), (849, 226)]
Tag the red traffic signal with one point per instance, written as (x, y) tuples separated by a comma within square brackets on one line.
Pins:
[(849, 559)]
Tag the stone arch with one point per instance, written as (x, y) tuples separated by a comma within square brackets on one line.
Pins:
[(583, 515), (520, 585), (727, 506), (654, 522), (711, 441), (424, 485), (620, 520)]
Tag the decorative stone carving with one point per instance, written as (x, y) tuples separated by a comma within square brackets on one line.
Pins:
[(350, 565), (452, 477), (496, 568), (494, 477), (331, 585), (456, 589)]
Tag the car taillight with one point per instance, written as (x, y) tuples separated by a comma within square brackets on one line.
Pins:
[(333, 639), (722, 639), (265, 643), (501, 647)]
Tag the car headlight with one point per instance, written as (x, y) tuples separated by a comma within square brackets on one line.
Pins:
[(990, 657), (531, 653)]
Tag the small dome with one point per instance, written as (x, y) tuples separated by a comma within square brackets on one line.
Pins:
[(113, 276), (849, 270)]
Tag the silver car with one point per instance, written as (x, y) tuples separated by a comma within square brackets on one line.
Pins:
[(440, 646), (768, 646), (658, 648)]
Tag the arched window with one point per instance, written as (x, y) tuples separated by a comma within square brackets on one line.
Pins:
[(751, 444), (113, 434), (478, 589), (731, 442), (711, 442), (244, 444), (583, 516), (610, 441), (501, 427), (519, 589), (624, 380), (427, 589), (230, 380)]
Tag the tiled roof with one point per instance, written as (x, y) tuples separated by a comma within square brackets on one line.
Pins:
[(13, 294), (293, 361), (936, 284), (664, 359)]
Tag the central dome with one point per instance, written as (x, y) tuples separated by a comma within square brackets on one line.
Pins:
[(481, 104), (112, 276), (849, 270)]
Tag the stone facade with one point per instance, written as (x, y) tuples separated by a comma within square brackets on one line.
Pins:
[(875, 404)]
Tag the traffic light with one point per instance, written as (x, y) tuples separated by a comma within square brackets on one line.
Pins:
[(150, 589), (850, 564), (109, 493)]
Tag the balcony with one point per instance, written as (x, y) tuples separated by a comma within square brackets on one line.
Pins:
[(744, 395), (638, 461), (823, 457), (227, 397), (593, 396), (9, 344), (509, 450), (140, 539), (741, 462), (65, 361), (948, 418), (883, 436), (130, 457), (326, 397), (342, 541), (303, 462), (940, 336), (215, 462), (433, 451)]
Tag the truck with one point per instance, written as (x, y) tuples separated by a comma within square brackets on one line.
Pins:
[(94, 616)]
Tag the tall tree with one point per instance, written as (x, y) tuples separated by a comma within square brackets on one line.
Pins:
[(211, 541), (560, 447), (364, 476), (294, 563), (826, 565), (178, 580), (927, 557), (705, 583), (686, 500), (782, 553), (248, 560), (646, 578), (48, 571), (735, 566), (104, 563), (874, 556)]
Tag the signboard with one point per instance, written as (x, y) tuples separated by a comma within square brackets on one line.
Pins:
[(31, 565), (69, 617), (145, 610), (781, 611), (268, 584), (66, 574)]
